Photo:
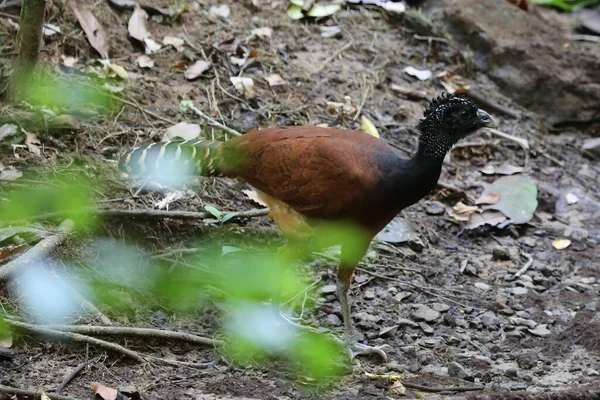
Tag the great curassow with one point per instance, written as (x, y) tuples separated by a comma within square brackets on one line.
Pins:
[(308, 175)]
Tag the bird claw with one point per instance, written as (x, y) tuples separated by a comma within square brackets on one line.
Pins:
[(356, 349)]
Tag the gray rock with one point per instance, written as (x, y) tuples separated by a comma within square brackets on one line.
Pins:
[(441, 307), (426, 328), (592, 146), (591, 305), (407, 322), (540, 330), (527, 360), (369, 294), (490, 320), (511, 373), (500, 254), (328, 289), (334, 320), (482, 286), (513, 386), (424, 313), (519, 290), (592, 372), (435, 208), (458, 371)]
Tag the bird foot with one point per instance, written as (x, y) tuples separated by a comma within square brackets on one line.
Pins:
[(357, 349)]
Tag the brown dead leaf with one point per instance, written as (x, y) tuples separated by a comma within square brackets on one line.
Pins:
[(275, 80), (197, 69), (32, 143), (138, 24), (488, 198), (92, 28), (255, 197), (488, 217), (107, 393), (461, 211), (409, 92)]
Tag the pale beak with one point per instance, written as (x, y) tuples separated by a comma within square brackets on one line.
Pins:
[(486, 120)]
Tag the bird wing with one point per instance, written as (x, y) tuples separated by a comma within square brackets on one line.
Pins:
[(319, 172)]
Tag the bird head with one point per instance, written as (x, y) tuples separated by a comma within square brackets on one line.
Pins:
[(448, 119)]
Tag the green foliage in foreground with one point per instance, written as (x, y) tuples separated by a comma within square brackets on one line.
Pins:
[(567, 5)]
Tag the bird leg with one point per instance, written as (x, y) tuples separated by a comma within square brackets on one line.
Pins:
[(344, 276)]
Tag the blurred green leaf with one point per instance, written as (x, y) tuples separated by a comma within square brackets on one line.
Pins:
[(216, 213), (567, 5), (5, 335), (228, 216)]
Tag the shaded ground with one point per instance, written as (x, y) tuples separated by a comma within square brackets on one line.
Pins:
[(451, 332)]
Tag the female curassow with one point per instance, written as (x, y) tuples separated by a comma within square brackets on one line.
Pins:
[(308, 175)]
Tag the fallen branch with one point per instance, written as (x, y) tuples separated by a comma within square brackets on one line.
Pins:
[(441, 389), (212, 121), (522, 142), (139, 332), (76, 337), (44, 248), (489, 104), (525, 267), (74, 373), (32, 393), (156, 214)]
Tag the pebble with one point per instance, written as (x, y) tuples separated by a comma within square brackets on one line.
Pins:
[(334, 320), (519, 290), (424, 313), (435, 208), (528, 241), (404, 322), (441, 307), (513, 386), (540, 330), (458, 371), (389, 331), (591, 306), (483, 286), (328, 289), (369, 294), (511, 373), (592, 372), (500, 254), (527, 360), (426, 328), (490, 320)]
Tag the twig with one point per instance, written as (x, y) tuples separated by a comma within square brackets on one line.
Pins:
[(212, 121), (522, 142), (525, 267), (8, 4), (44, 248), (487, 103), (333, 56), (155, 214), (139, 332), (32, 393), (74, 373), (76, 337), (441, 389)]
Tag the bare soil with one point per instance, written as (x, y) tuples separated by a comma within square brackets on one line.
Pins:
[(475, 328)]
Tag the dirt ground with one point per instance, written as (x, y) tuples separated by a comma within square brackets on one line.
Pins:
[(460, 317)]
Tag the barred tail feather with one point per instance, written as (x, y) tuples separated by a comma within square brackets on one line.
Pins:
[(173, 159)]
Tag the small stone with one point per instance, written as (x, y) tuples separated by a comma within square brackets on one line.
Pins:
[(458, 371), (511, 373), (592, 372), (519, 290), (334, 320), (528, 241), (490, 320), (506, 311), (389, 331), (424, 313), (407, 322), (500, 254), (401, 296), (527, 360), (369, 294), (482, 286), (426, 328), (540, 330), (328, 289), (591, 305), (461, 322), (441, 307), (513, 386), (435, 208), (130, 391)]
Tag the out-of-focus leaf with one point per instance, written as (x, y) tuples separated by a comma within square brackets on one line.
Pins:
[(137, 25), (183, 130), (92, 28), (568, 5), (518, 198), (212, 210), (461, 211), (197, 69), (368, 127), (243, 85), (561, 244), (294, 10), (32, 232), (119, 70), (490, 198), (6, 339), (105, 392), (221, 11), (176, 42)]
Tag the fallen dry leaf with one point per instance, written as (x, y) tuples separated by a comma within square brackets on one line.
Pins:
[(51, 29), (330, 31), (182, 130), (92, 28), (68, 61), (107, 393), (145, 61), (138, 24), (255, 197), (489, 198), (221, 11), (176, 42), (119, 70), (151, 45), (275, 80), (367, 126), (561, 244), (196, 69), (265, 32), (461, 211), (32, 143), (243, 85), (488, 217), (409, 92), (398, 388), (420, 74)]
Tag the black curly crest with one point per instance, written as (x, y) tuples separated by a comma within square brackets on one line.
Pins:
[(437, 101)]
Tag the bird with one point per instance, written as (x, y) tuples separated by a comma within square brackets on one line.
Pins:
[(310, 176)]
